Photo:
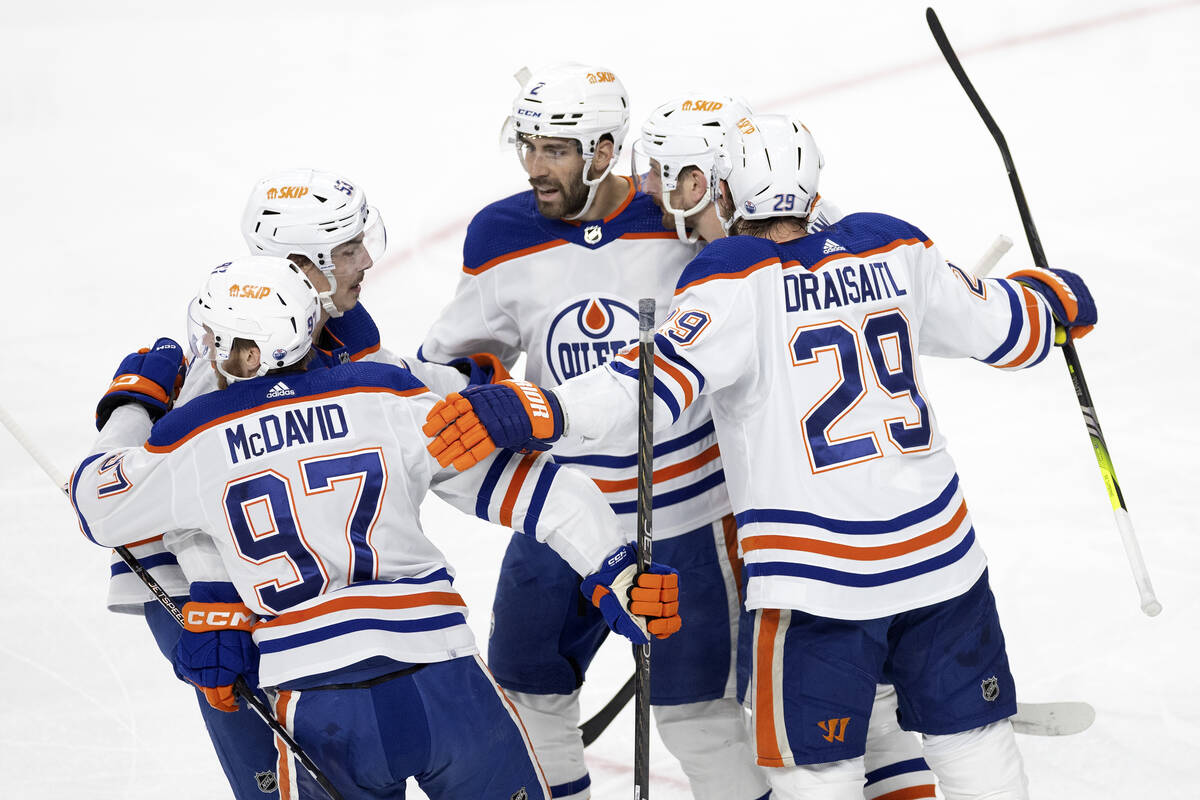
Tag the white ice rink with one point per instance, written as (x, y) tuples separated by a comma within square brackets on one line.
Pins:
[(131, 133)]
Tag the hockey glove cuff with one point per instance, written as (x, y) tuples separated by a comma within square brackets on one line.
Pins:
[(480, 368), (635, 605), (467, 427), (216, 647), (1068, 296), (151, 377)]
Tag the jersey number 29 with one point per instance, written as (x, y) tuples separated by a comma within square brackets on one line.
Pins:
[(895, 379)]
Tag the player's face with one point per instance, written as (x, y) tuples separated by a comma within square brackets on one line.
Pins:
[(555, 168), (350, 261), (682, 197)]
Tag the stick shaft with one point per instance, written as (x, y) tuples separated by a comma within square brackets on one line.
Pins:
[(645, 512), (240, 688), (1149, 603)]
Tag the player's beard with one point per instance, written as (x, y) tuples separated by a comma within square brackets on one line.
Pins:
[(570, 201)]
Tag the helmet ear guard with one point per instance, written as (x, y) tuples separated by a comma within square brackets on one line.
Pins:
[(266, 300), (775, 167), (307, 212), (571, 101)]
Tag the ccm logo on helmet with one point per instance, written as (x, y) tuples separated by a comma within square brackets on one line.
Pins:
[(252, 292), (601, 77), (286, 192), (701, 105)]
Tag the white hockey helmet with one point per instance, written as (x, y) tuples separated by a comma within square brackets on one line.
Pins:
[(570, 101), (775, 166), (309, 212), (263, 299), (689, 131)]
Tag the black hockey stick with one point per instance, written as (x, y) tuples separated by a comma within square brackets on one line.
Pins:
[(602, 718), (645, 515), (239, 688), (1149, 603)]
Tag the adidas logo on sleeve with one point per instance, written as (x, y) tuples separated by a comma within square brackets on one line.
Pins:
[(280, 389)]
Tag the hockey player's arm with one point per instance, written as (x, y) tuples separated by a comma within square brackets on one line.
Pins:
[(475, 320), (707, 342), (998, 321), (564, 509), (121, 492)]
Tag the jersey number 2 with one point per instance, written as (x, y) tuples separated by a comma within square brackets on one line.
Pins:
[(896, 380), (263, 522)]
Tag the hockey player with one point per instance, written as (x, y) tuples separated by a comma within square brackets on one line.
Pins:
[(555, 273), (324, 224), (861, 555), (683, 150), (299, 490), (680, 158)]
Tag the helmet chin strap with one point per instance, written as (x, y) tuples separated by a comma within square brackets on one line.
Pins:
[(326, 298), (592, 185), (681, 216), (263, 368)]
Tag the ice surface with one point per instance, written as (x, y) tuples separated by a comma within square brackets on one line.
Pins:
[(132, 133)]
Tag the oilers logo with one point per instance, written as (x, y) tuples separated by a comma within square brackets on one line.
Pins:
[(588, 332)]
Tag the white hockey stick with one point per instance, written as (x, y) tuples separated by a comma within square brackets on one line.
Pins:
[(987, 262), (34, 451)]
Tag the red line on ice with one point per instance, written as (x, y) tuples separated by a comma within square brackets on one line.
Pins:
[(458, 225)]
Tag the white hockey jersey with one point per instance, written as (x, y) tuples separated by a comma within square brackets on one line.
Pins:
[(566, 294), (310, 486), (847, 502), (358, 341)]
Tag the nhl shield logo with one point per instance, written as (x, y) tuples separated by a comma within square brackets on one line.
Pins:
[(592, 234), (520, 794), (991, 689), (267, 784)]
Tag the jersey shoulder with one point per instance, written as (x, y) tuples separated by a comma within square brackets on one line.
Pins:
[(729, 258), (257, 394), (503, 230), (860, 234), (355, 330), (639, 217)]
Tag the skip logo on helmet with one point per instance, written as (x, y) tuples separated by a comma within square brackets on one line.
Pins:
[(286, 192), (248, 291)]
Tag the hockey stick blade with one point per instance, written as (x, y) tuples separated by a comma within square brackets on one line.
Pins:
[(604, 717), (1053, 719)]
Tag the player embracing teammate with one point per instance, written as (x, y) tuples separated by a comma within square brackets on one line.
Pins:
[(292, 495), (863, 562), (555, 273)]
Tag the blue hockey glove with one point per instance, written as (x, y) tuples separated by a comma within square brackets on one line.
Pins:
[(151, 377), (1068, 296), (635, 605), (467, 427), (216, 646)]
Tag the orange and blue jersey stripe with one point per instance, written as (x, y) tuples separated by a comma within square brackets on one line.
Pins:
[(513, 228)]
